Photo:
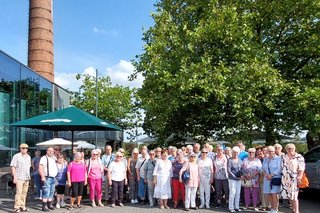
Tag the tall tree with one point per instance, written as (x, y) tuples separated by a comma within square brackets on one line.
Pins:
[(215, 66), (116, 104)]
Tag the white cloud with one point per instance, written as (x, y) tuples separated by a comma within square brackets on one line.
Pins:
[(118, 73), (105, 32)]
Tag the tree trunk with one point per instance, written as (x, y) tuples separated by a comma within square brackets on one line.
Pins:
[(270, 135)]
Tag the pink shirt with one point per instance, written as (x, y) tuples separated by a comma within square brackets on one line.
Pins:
[(95, 169), (194, 173), (77, 171)]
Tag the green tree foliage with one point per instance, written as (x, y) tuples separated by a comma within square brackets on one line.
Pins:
[(214, 66), (117, 104)]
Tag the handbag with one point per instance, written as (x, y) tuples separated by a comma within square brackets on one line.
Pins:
[(186, 175), (304, 182), (276, 181), (246, 183)]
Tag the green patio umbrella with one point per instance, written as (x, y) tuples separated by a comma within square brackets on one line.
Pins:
[(68, 119)]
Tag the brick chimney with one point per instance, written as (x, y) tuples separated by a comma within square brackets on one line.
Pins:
[(40, 41)]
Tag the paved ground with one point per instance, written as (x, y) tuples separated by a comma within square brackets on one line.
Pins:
[(309, 204)]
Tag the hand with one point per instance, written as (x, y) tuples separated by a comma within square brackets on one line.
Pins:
[(180, 180), (125, 182), (69, 183), (110, 182), (154, 181), (14, 180), (85, 183), (138, 179)]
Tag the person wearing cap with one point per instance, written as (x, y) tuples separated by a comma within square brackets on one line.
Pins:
[(193, 183), (20, 168)]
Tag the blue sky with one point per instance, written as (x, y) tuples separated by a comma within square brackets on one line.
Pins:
[(102, 34)]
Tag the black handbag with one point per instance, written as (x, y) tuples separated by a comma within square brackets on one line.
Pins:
[(276, 181)]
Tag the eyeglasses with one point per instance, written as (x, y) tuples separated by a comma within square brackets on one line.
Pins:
[(135, 153), (94, 154), (204, 152), (251, 152), (151, 154), (119, 156), (192, 156), (24, 148), (57, 150)]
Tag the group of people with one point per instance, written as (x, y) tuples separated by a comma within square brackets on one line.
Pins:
[(261, 174)]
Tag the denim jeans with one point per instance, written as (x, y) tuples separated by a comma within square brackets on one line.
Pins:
[(37, 182), (48, 188)]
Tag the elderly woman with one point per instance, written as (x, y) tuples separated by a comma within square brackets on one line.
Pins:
[(61, 180), (148, 170), (77, 179), (132, 176), (272, 168), (95, 173), (292, 170), (117, 179), (177, 187), (206, 178), (162, 179), (193, 183), (251, 167), (221, 176), (234, 179)]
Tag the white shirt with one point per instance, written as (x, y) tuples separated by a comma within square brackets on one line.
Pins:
[(117, 170), (53, 170)]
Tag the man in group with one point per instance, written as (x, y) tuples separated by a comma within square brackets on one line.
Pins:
[(48, 171), (196, 149), (141, 175), (107, 159), (20, 168)]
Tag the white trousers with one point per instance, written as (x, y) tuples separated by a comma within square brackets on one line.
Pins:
[(234, 194), (191, 193), (204, 190)]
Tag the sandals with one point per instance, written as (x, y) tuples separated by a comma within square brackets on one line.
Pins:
[(24, 210), (79, 206), (16, 210)]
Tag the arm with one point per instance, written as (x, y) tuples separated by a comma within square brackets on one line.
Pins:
[(184, 168), (13, 172), (128, 166), (125, 176), (109, 174), (68, 179), (41, 172)]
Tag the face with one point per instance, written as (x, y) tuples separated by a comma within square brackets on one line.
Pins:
[(158, 152), (94, 155), (265, 150), (219, 151), (192, 158), (204, 153), (164, 156), (152, 155), (271, 152), (235, 154), (60, 160), (119, 157), (252, 154), (108, 150), (57, 151), (50, 151), (23, 150), (196, 148), (291, 150)]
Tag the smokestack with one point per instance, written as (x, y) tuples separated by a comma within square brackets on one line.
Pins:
[(40, 42)]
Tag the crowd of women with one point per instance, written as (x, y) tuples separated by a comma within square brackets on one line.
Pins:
[(258, 177)]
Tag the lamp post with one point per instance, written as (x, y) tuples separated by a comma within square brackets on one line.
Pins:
[(97, 101)]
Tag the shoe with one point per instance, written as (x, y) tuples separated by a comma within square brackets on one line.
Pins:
[(121, 204), (194, 208), (136, 201), (70, 208), (208, 206), (79, 206), (16, 210), (132, 201), (161, 207), (62, 204), (113, 205), (167, 207), (58, 206), (256, 209), (151, 205), (245, 208), (187, 209), (24, 210), (50, 206), (93, 204), (100, 204), (218, 205), (238, 210), (232, 210), (44, 209), (201, 206)]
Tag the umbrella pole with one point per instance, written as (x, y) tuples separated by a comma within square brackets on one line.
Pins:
[(72, 137)]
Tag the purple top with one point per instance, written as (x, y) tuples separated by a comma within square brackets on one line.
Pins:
[(176, 167)]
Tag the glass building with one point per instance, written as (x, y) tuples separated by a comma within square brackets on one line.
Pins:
[(25, 94)]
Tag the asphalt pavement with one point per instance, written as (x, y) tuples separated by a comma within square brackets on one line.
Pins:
[(309, 204)]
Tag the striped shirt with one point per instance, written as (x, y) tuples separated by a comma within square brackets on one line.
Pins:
[(22, 163)]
